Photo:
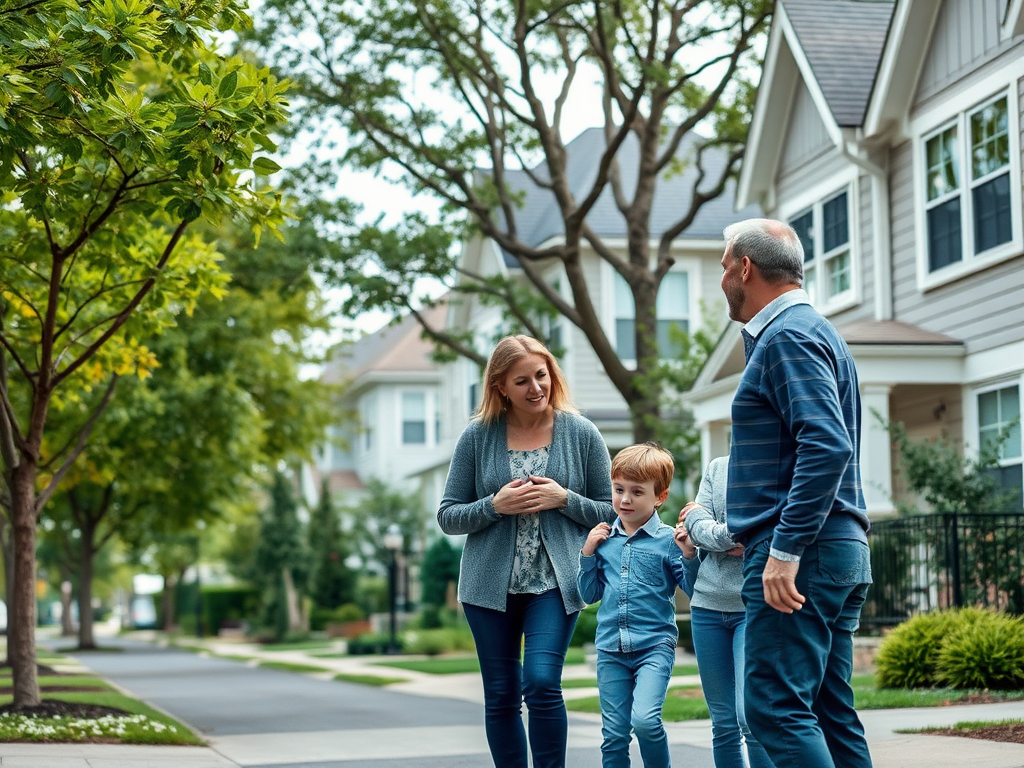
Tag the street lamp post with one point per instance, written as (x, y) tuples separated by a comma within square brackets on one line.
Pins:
[(393, 543)]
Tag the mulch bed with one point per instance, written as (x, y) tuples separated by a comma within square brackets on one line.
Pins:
[(52, 708), (8, 690), (1012, 733)]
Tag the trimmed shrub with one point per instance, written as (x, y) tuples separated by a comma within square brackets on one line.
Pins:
[(586, 627), (985, 653), (908, 655), (319, 618), (372, 643), (433, 642)]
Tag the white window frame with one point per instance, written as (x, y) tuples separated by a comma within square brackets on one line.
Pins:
[(957, 110), (974, 416), (429, 409), (688, 265), (814, 200)]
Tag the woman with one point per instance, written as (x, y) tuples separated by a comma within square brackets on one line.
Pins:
[(528, 480), (717, 620)]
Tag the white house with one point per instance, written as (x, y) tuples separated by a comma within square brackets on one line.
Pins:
[(888, 134), (390, 426)]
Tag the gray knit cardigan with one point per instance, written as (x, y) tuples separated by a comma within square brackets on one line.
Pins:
[(720, 577), (577, 460)]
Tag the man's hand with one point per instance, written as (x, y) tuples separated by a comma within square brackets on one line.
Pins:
[(779, 580)]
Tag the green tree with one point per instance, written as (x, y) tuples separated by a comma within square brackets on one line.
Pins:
[(120, 125), (439, 570), (281, 562), (366, 519), (333, 582), (447, 97)]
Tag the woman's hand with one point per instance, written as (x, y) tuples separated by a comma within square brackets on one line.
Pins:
[(686, 510), (598, 535), (509, 499), (546, 493)]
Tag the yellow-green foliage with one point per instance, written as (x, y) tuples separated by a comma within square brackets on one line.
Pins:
[(987, 653), (953, 647)]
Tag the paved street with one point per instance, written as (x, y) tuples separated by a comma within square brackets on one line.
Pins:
[(263, 718)]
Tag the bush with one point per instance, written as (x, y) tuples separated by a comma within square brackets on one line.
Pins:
[(586, 627), (908, 656), (433, 642), (319, 618), (373, 643), (985, 653)]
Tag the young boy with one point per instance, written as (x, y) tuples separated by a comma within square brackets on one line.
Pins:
[(633, 568)]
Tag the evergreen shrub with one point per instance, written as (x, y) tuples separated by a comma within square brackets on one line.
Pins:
[(986, 653), (909, 654)]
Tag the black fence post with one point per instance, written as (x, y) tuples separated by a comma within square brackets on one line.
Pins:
[(954, 563)]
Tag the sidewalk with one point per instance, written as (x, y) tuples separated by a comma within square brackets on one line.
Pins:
[(889, 749)]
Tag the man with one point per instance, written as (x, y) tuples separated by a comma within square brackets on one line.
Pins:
[(796, 504)]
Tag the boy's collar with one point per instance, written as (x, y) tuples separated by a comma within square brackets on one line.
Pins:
[(650, 527)]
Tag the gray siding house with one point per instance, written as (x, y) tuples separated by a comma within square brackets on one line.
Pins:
[(888, 134)]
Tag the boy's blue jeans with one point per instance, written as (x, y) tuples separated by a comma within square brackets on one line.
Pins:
[(718, 639), (798, 698), (537, 627), (632, 688)]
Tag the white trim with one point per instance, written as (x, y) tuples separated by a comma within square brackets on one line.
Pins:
[(812, 199), (1013, 22), (762, 105), (782, 19), (942, 110), (972, 421), (956, 112), (999, 362), (680, 243)]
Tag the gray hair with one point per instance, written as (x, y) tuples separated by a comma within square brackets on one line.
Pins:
[(772, 246)]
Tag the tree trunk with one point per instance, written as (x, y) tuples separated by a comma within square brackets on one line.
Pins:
[(291, 597), (167, 602), (8, 549), (86, 639), (22, 632), (67, 626)]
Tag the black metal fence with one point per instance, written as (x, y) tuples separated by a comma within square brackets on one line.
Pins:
[(925, 562)]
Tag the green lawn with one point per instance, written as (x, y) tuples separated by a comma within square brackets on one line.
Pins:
[(289, 667), (368, 679), (145, 726), (301, 645), (964, 726), (867, 696), (454, 665)]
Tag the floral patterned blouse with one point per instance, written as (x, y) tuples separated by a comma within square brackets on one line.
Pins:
[(532, 572)]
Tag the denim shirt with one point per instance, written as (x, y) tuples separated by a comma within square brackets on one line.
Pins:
[(635, 579)]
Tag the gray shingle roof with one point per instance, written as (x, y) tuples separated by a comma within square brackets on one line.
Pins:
[(843, 42), (539, 219)]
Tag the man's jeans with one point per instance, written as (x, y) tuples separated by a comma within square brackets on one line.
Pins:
[(632, 687), (718, 639), (538, 627), (799, 702)]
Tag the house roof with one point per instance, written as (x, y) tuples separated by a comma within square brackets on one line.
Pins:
[(892, 332), (843, 42), (539, 219), (397, 347)]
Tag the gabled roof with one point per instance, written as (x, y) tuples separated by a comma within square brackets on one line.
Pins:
[(539, 219), (842, 41), (395, 348), (835, 47)]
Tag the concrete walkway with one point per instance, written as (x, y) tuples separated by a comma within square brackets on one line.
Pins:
[(460, 745)]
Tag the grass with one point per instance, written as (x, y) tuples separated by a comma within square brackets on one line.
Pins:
[(685, 702), (368, 679), (300, 645), (145, 726), (289, 667), (867, 696), (964, 726), (453, 665)]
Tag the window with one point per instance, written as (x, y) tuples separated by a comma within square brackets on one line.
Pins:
[(828, 257), (414, 418), (673, 310), (968, 206), (999, 416)]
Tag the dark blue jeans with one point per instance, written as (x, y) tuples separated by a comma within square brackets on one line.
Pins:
[(799, 703), (718, 640), (537, 626)]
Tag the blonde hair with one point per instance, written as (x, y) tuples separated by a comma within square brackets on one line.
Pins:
[(507, 353), (645, 462)]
